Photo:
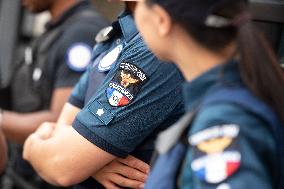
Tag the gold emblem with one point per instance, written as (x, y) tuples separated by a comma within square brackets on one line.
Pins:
[(126, 79), (214, 145)]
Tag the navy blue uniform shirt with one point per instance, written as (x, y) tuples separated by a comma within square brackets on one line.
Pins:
[(138, 97), (230, 147)]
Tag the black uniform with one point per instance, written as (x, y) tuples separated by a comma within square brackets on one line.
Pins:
[(57, 58), (54, 60)]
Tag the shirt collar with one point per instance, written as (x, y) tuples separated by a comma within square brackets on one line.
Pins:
[(195, 90), (75, 8), (127, 25)]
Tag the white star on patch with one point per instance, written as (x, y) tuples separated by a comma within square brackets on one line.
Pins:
[(100, 112)]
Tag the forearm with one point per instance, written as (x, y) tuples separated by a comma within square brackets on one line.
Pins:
[(3, 152), (18, 126), (47, 170), (65, 154)]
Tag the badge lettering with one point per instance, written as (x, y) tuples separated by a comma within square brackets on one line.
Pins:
[(125, 84)]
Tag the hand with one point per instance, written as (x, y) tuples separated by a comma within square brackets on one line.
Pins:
[(45, 130), (129, 172)]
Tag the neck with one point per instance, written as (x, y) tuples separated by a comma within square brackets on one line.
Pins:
[(59, 7), (193, 60)]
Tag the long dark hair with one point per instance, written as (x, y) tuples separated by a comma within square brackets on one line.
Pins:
[(259, 67)]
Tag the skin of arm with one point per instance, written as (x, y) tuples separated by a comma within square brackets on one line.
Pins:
[(59, 158), (18, 126), (67, 114), (134, 171), (3, 152)]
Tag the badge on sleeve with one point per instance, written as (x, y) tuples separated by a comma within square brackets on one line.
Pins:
[(107, 61), (216, 155), (125, 85), (79, 56)]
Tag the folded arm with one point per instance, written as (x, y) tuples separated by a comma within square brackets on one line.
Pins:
[(61, 157)]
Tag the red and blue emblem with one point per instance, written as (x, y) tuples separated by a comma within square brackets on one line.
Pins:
[(118, 96), (216, 167), (125, 85), (215, 153)]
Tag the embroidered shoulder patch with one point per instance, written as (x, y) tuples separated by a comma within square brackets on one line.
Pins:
[(125, 85), (109, 59), (216, 154)]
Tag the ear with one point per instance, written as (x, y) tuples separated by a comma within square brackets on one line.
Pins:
[(163, 20)]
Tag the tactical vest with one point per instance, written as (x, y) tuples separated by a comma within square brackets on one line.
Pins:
[(172, 144), (32, 83)]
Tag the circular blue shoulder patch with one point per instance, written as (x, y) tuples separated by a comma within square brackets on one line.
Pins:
[(107, 61), (79, 56)]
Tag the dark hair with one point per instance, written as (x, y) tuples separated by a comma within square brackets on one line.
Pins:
[(259, 67)]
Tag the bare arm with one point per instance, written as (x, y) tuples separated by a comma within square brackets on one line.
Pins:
[(3, 152), (68, 114), (129, 172), (66, 153), (18, 126)]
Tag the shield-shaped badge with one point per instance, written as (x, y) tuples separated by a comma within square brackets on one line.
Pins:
[(216, 154), (125, 85)]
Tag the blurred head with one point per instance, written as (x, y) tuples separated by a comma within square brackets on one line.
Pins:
[(37, 6), (215, 25), (200, 20)]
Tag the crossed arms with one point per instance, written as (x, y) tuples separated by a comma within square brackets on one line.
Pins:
[(59, 154)]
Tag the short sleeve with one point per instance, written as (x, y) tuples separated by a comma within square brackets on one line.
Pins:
[(77, 97), (137, 96), (72, 54), (230, 149)]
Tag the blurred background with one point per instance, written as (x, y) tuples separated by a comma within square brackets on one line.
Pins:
[(18, 27)]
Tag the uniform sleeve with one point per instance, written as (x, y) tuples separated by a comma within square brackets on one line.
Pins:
[(230, 149), (135, 98), (73, 54), (77, 96)]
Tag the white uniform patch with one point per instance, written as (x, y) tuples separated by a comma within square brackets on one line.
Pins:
[(79, 56), (109, 59)]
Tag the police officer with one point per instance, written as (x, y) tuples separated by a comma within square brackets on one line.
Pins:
[(51, 65), (232, 136), (49, 68), (117, 116)]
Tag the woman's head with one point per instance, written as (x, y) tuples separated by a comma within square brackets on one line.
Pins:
[(215, 25), (210, 23)]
